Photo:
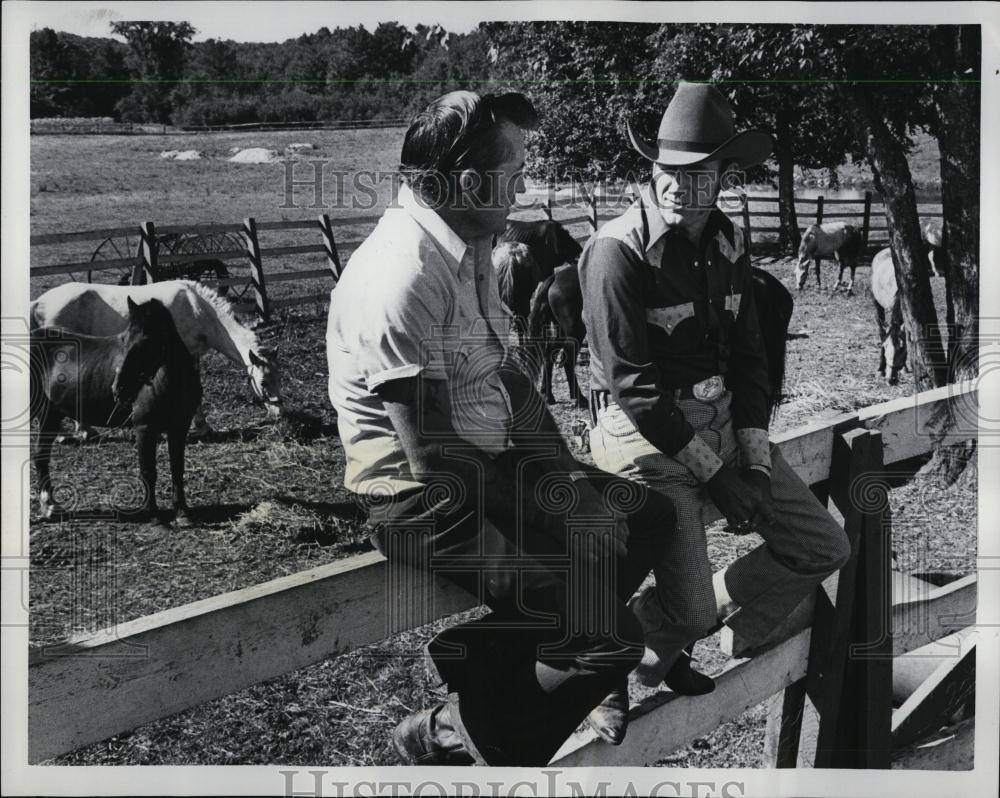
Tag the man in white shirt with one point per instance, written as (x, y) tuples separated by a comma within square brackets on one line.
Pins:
[(463, 469)]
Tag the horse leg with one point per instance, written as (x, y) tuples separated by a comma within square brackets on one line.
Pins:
[(48, 425), (200, 428), (575, 389), (145, 445), (548, 352), (840, 274), (176, 441), (850, 285), (880, 321), (819, 285)]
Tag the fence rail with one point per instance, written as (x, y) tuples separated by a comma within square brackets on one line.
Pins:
[(148, 263), (96, 686)]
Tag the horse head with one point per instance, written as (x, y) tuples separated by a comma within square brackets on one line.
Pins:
[(807, 247), (145, 345), (560, 245), (265, 379), (894, 346)]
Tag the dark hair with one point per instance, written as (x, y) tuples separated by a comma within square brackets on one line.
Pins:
[(459, 130)]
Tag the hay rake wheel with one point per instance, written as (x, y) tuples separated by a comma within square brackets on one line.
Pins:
[(128, 246), (114, 248)]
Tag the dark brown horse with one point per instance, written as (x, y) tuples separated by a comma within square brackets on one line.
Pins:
[(527, 257), (559, 301), (145, 375)]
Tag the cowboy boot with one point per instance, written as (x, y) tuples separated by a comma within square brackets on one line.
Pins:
[(429, 737), (610, 718), (684, 680)]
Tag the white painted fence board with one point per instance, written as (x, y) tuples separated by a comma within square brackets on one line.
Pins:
[(176, 659), (667, 721), (214, 647)]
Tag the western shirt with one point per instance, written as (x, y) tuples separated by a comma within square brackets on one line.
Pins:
[(415, 299), (663, 313)]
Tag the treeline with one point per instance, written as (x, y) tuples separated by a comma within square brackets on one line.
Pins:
[(159, 75)]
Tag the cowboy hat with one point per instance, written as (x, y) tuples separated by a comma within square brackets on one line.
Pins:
[(698, 126)]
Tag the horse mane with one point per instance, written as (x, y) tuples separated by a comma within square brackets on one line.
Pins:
[(224, 311)]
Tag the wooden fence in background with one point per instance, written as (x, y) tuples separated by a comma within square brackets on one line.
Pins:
[(842, 644), (148, 263)]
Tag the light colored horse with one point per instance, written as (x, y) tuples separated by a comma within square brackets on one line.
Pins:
[(202, 318), (838, 241), (892, 336), (932, 232)]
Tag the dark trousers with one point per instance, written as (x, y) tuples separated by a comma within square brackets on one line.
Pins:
[(555, 572)]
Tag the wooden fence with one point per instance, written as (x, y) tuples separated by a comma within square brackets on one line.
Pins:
[(841, 644), (148, 262)]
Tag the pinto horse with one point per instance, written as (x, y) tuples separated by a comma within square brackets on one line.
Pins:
[(836, 240), (888, 316), (203, 320), (144, 375)]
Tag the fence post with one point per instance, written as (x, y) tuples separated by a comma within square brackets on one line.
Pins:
[(592, 198), (784, 726), (867, 222), (746, 221), (326, 228), (851, 647), (256, 267), (819, 209), (548, 206), (145, 268)]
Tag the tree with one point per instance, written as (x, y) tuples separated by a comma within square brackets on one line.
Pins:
[(957, 103), (157, 53), (881, 73), (581, 77), (769, 73)]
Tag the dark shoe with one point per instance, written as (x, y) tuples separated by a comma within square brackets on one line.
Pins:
[(682, 679), (428, 737), (610, 718)]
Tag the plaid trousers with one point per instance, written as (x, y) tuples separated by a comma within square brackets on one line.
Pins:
[(802, 547)]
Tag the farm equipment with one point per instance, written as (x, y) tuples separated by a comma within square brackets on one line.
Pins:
[(203, 269)]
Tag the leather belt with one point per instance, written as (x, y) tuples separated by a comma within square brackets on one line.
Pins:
[(708, 390)]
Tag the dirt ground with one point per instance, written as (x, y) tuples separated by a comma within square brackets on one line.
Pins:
[(268, 501)]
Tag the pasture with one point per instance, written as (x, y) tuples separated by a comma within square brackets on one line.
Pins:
[(267, 500)]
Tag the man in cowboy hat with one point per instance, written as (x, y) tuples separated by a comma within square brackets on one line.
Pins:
[(680, 397)]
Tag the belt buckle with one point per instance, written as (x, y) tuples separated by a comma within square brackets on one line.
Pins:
[(708, 390)]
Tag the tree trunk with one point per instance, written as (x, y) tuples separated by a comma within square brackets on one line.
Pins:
[(957, 108), (788, 232), (895, 183)]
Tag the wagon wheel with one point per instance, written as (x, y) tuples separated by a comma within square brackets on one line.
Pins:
[(196, 244), (114, 248)]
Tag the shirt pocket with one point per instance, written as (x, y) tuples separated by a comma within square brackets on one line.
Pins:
[(669, 317), (732, 304)]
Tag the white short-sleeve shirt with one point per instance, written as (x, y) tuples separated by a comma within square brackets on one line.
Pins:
[(414, 299)]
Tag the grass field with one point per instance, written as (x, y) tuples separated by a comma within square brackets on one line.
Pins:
[(268, 500)]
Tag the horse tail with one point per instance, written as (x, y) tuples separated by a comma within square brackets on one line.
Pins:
[(538, 308)]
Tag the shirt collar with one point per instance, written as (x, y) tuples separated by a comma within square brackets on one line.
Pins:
[(657, 225), (446, 238)]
